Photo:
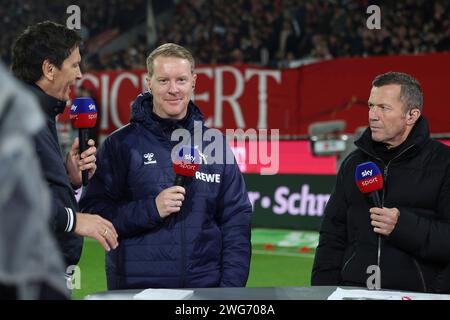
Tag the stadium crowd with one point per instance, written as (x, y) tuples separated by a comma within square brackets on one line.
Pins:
[(261, 32), (96, 17)]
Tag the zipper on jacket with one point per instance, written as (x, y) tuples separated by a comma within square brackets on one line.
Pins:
[(422, 279), (348, 260), (183, 249), (385, 171), (385, 175)]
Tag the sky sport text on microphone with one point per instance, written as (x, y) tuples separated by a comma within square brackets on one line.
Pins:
[(83, 114)]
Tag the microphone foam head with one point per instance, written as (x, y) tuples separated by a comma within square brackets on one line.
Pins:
[(368, 177), (83, 113), (187, 162)]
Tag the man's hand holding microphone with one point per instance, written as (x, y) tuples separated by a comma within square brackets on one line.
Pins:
[(185, 165), (80, 166), (369, 180)]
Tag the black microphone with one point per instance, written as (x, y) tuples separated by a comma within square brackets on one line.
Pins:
[(83, 114)]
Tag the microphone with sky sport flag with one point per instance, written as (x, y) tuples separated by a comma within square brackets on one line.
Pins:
[(369, 179), (186, 164), (83, 114)]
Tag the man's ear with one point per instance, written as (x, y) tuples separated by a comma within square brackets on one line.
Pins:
[(412, 116), (48, 70), (149, 84), (194, 80)]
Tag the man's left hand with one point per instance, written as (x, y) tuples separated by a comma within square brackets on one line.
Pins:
[(75, 164), (384, 219)]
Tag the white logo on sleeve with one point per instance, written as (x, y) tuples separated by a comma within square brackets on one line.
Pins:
[(149, 158)]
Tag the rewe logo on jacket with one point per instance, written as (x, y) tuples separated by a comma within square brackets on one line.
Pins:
[(208, 177)]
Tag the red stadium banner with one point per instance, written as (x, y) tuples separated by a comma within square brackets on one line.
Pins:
[(294, 157), (244, 96)]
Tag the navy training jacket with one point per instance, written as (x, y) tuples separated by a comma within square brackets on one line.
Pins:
[(206, 244)]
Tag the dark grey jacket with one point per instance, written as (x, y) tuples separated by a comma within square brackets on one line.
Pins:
[(413, 256), (64, 204)]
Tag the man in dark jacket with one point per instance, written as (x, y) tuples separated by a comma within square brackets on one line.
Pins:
[(46, 56), (405, 245), (171, 236)]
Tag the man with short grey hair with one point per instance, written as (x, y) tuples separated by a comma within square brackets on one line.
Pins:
[(407, 239)]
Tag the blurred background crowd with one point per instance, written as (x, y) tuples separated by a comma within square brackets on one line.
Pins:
[(271, 33)]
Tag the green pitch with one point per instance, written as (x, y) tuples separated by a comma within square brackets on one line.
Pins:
[(279, 258)]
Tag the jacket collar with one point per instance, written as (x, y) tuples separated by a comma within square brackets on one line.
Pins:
[(50, 105), (419, 135), (142, 112)]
